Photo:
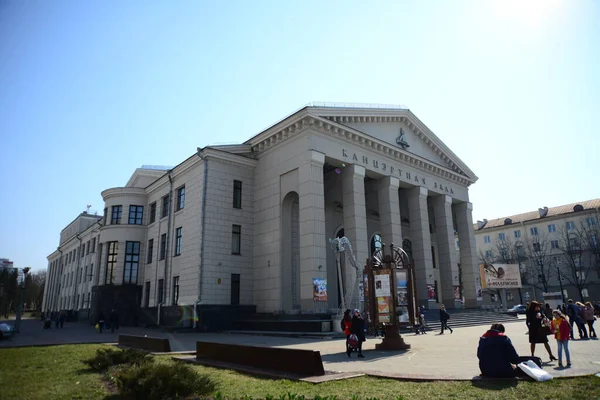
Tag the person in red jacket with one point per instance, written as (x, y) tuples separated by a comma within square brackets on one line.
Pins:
[(562, 333), (347, 326)]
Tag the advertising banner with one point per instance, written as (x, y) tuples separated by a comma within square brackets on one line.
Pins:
[(319, 289), (500, 276), (382, 285)]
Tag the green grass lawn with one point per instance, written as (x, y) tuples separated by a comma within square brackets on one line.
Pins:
[(56, 372)]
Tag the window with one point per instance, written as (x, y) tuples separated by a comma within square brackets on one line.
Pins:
[(581, 275), (533, 231), (520, 250), (237, 194), (165, 206), (236, 239), (175, 290), (93, 245), (82, 250), (91, 272), (180, 198), (554, 244), (487, 239), (536, 247), (147, 295), (433, 256), (111, 260), (502, 236), (551, 228), (517, 234), (150, 251), (152, 212), (574, 243), (163, 246), (132, 262), (178, 235), (105, 215), (570, 225), (136, 213), (161, 284), (488, 254), (594, 241), (591, 221), (87, 250), (115, 218)]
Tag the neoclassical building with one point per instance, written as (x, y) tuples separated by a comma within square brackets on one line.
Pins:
[(557, 249), (249, 224)]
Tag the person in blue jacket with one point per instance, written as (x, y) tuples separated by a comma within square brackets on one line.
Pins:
[(496, 354)]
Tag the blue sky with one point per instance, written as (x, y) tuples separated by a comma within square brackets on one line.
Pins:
[(91, 90)]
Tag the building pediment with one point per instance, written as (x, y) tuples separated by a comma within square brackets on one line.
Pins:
[(393, 132), (399, 128)]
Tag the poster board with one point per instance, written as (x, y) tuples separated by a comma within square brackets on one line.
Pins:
[(500, 276)]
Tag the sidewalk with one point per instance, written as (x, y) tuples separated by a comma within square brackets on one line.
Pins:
[(432, 356)]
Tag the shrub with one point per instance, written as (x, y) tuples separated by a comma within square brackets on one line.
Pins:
[(161, 381), (108, 357)]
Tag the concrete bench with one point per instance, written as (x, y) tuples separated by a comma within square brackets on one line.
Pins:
[(295, 361), (157, 345)]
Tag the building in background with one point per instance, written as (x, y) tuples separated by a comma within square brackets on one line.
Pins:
[(5, 263), (245, 227), (557, 249)]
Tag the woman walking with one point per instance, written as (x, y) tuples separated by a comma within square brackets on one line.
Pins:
[(562, 333), (444, 317), (347, 327), (358, 329), (588, 313), (536, 334)]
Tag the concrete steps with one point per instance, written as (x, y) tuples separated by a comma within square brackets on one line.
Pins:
[(463, 318)]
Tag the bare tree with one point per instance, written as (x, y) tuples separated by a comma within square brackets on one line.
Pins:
[(590, 235), (576, 269), (539, 249)]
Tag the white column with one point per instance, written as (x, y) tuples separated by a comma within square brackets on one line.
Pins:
[(389, 211), (468, 252), (355, 223), (313, 241), (444, 229), (421, 241)]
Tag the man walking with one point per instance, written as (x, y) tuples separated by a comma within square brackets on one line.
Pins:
[(444, 317)]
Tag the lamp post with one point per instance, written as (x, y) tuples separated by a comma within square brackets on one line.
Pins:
[(20, 304), (562, 292)]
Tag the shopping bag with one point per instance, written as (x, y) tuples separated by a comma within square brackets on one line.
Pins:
[(353, 341), (531, 369), (97, 326)]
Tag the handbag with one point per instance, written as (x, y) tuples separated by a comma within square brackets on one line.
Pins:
[(545, 330), (353, 341)]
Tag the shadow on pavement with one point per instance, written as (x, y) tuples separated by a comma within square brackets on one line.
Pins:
[(370, 355)]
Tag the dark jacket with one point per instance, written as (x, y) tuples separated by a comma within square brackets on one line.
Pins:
[(444, 316), (358, 327), (496, 354)]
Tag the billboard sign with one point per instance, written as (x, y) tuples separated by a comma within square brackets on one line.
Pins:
[(500, 276)]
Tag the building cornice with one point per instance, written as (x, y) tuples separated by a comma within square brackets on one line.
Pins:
[(210, 152), (122, 191), (304, 121)]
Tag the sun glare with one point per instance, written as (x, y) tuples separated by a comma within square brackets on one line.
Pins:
[(533, 14)]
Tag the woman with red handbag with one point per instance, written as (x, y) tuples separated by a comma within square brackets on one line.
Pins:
[(358, 330)]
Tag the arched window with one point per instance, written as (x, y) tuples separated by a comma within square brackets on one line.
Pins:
[(340, 234), (407, 247), (376, 243)]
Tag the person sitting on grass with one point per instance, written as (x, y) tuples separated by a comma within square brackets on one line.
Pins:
[(496, 354)]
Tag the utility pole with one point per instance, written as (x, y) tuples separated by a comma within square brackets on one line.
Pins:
[(20, 304)]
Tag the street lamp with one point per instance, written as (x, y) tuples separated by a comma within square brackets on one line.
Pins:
[(562, 292)]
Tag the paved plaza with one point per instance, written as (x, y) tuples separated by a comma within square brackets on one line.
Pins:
[(432, 356)]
